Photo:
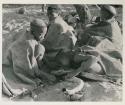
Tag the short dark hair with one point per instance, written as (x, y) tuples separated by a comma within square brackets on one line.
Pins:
[(109, 14), (54, 8)]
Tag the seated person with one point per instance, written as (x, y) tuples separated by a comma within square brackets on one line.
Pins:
[(107, 28), (24, 56), (59, 36)]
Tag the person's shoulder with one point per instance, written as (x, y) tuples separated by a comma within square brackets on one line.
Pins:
[(41, 47), (58, 19), (60, 22), (29, 39), (60, 25), (31, 43)]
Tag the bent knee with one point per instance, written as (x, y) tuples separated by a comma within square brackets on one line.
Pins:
[(95, 68)]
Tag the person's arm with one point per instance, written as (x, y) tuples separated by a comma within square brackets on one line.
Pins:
[(39, 53)]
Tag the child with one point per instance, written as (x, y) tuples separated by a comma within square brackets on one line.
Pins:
[(25, 55), (59, 36), (80, 61)]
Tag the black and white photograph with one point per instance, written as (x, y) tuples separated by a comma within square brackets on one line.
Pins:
[(62, 52)]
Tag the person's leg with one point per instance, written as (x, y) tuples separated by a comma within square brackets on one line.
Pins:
[(92, 65), (7, 89), (95, 68), (89, 64)]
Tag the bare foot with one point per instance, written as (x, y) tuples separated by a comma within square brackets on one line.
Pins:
[(18, 91)]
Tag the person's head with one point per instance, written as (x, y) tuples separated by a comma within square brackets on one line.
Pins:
[(107, 12), (38, 29), (72, 21), (53, 11)]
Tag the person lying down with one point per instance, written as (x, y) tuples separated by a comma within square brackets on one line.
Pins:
[(87, 60), (24, 57)]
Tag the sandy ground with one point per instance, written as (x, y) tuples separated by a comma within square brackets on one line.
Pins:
[(95, 91)]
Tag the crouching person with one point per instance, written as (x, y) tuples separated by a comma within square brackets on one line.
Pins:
[(24, 57)]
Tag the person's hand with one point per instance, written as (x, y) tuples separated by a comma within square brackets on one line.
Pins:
[(49, 78), (60, 72), (68, 76)]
